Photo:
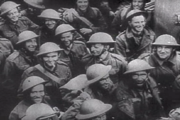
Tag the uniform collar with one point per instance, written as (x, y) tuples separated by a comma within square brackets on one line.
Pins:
[(129, 33), (104, 57)]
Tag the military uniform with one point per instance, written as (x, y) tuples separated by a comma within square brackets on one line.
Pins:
[(55, 79), (15, 65), (131, 46), (165, 74), (117, 62), (95, 20), (146, 106), (11, 31), (73, 57)]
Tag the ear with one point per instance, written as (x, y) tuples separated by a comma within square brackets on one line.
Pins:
[(106, 47)]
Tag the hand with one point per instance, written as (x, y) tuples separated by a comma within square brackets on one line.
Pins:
[(85, 31)]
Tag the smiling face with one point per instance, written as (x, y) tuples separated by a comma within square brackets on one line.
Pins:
[(97, 49), (31, 45), (82, 5), (137, 23), (13, 15), (139, 78), (164, 52), (66, 38), (50, 59), (37, 93), (50, 23)]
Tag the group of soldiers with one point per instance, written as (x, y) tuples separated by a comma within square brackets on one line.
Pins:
[(86, 63)]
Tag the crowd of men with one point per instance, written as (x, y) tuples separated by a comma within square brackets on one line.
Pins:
[(86, 63)]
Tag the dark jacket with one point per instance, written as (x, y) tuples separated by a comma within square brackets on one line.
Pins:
[(11, 31), (146, 107), (116, 61), (61, 72), (94, 16), (127, 46), (73, 57), (14, 66)]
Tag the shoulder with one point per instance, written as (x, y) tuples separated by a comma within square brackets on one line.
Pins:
[(13, 56), (61, 63), (79, 43), (118, 57), (121, 36), (23, 18), (95, 9)]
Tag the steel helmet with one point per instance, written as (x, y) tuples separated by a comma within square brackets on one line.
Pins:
[(166, 40), (100, 37), (50, 14), (63, 28), (36, 3), (135, 12), (48, 47), (39, 110), (77, 83), (96, 72), (137, 65), (8, 6), (25, 36), (92, 108), (31, 82)]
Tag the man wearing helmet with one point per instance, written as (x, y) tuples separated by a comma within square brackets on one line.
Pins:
[(51, 19), (14, 23), (20, 60), (166, 61), (93, 109), (135, 41), (74, 50), (33, 92), (51, 69), (100, 44), (100, 86), (138, 94)]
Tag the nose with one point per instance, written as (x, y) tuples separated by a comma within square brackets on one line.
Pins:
[(162, 49)]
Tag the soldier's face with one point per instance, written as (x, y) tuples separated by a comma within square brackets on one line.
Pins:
[(137, 23), (137, 4), (31, 45), (82, 4), (139, 78), (50, 23), (97, 49), (13, 15), (67, 38), (106, 83), (50, 59), (164, 52), (37, 93)]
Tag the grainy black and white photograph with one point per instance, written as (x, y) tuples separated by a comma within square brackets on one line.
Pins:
[(89, 59)]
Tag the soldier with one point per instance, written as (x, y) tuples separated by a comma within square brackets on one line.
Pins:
[(33, 92), (40, 112), (51, 69), (166, 61), (93, 109), (119, 23), (100, 44), (20, 60), (51, 20), (87, 20), (73, 96), (74, 50), (100, 85), (14, 24), (135, 41), (137, 95), (34, 8)]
